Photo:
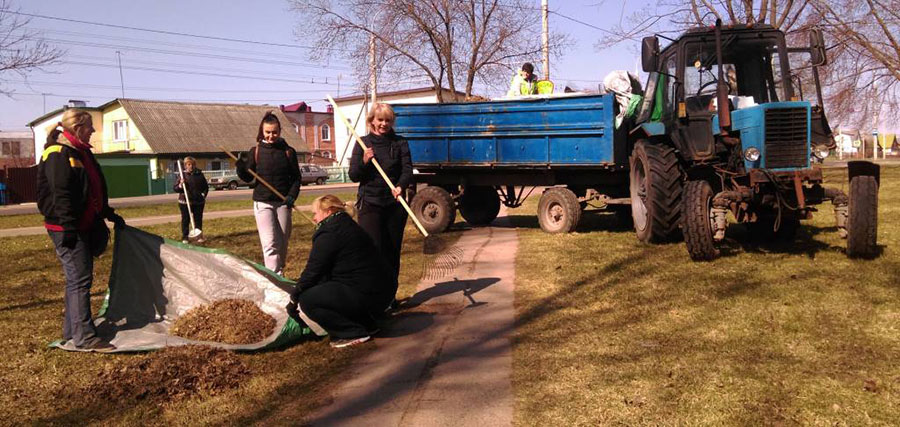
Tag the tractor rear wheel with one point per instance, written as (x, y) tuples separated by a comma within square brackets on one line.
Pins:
[(862, 223), (479, 205), (698, 221), (435, 209), (655, 184)]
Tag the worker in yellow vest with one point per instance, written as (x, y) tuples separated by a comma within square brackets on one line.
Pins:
[(524, 82)]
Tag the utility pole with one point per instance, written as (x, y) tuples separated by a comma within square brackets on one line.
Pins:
[(373, 79), (121, 77), (545, 39)]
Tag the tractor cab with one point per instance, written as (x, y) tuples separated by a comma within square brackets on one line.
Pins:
[(717, 87)]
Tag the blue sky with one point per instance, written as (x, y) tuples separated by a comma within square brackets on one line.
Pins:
[(230, 71)]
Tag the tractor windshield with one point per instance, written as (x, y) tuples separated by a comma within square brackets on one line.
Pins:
[(753, 66)]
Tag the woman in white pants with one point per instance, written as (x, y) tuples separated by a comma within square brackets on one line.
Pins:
[(276, 162)]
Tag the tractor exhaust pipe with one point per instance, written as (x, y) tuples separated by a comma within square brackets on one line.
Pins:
[(721, 88)]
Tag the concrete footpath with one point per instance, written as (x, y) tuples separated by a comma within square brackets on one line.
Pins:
[(445, 359), (141, 221)]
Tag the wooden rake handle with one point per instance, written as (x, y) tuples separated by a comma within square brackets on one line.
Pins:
[(269, 186), (337, 112)]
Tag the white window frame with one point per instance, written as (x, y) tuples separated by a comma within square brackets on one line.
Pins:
[(123, 137), (325, 132)]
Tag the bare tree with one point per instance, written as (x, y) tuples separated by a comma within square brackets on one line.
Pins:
[(457, 43), (22, 50), (865, 53)]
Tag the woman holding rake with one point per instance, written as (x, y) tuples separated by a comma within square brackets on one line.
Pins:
[(276, 162), (193, 183)]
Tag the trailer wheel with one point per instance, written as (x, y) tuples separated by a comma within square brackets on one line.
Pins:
[(655, 184), (479, 205), (558, 210), (862, 223), (698, 221), (435, 209)]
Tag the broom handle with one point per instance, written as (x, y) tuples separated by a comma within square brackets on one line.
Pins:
[(186, 197), (337, 112), (269, 186)]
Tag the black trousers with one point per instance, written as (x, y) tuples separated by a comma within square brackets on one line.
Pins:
[(385, 224), (197, 210), (341, 310)]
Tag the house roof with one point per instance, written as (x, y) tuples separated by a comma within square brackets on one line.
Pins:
[(293, 108), (60, 110), (182, 127), (395, 93)]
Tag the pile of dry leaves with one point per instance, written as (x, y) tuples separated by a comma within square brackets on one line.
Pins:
[(230, 321), (169, 374)]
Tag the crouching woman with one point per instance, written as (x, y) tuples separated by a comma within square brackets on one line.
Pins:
[(342, 288)]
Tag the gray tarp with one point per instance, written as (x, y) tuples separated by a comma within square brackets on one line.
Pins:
[(155, 280)]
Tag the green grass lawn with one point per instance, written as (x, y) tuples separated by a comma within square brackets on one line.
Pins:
[(285, 384), (168, 208), (630, 333)]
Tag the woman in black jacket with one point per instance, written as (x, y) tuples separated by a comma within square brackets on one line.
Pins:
[(380, 213), (342, 288), (276, 162), (72, 196), (197, 189)]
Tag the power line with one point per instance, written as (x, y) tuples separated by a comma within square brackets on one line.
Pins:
[(583, 23), (171, 33), (200, 73), (193, 67), (268, 61), (30, 83)]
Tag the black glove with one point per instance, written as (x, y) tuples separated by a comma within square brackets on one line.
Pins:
[(117, 220), (289, 201), (69, 239), (293, 312)]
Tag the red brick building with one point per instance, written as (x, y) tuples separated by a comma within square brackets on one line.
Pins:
[(316, 128), (16, 149)]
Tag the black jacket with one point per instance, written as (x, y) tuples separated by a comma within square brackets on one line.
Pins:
[(277, 164), (343, 252), (63, 188), (392, 153), (197, 187)]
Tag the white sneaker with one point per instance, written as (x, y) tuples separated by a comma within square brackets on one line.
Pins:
[(347, 342)]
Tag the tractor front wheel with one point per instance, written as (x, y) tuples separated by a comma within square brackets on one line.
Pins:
[(862, 223), (698, 221)]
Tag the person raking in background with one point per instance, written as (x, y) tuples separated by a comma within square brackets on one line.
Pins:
[(380, 214), (524, 82), (72, 197), (197, 189), (276, 162), (343, 287)]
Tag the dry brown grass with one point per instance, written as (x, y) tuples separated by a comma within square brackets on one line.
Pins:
[(284, 385), (638, 334)]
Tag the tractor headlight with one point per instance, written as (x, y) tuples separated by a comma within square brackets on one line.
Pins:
[(751, 154), (821, 151)]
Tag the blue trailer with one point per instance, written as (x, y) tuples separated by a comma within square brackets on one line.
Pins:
[(477, 155)]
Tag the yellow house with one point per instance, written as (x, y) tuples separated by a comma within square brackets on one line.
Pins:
[(138, 142)]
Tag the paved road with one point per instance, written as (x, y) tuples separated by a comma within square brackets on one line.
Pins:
[(215, 195)]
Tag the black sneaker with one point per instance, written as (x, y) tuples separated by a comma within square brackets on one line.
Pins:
[(347, 342), (98, 345)]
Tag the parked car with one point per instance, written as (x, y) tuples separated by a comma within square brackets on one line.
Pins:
[(224, 179), (313, 173)]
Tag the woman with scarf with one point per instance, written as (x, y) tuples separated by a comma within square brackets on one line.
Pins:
[(73, 199)]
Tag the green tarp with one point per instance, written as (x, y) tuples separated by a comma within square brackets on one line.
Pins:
[(155, 280)]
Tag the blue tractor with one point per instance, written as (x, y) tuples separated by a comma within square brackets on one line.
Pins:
[(723, 131)]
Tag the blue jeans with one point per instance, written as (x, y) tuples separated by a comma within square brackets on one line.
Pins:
[(78, 268)]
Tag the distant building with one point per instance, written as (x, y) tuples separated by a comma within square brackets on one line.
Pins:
[(137, 142), (16, 150), (316, 128), (355, 107)]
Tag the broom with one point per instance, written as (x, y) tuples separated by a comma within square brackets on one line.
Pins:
[(433, 244), (269, 186)]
